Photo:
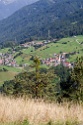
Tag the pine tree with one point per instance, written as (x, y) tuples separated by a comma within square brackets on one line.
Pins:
[(77, 77)]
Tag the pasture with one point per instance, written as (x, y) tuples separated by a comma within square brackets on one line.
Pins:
[(8, 75), (67, 45), (4, 76)]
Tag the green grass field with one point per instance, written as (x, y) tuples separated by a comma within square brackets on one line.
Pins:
[(49, 123), (4, 50), (4, 76), (67, 45), (12, 71), (70, 46)]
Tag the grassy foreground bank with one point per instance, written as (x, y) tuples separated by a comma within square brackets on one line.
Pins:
[(19, 111)]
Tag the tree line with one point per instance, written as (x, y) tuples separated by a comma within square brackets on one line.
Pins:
[(56, 83)]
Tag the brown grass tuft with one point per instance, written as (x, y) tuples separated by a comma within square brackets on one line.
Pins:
[(17, 110)]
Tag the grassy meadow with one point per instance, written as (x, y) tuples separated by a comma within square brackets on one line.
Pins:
[(37, 112), (67, 45), (70, 46), (8, 75)]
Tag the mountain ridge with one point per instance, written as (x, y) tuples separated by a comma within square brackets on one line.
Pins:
[(8, 7)]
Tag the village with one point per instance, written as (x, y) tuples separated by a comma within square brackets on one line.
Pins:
[(37, 43), (56, 59), (8, 60)]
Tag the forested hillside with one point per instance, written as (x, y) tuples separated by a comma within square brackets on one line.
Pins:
[(58, 18), (68, 26)]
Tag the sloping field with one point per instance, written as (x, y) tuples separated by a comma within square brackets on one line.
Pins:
[(37, 111), (6, 76), (67, 45)]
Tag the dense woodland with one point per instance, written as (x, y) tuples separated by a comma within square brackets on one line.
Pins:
[(44, 19), (55, 84)]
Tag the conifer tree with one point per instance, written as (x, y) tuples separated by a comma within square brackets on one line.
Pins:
[(77, 77)]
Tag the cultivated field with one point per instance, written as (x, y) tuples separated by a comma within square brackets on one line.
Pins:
[(38, 112)]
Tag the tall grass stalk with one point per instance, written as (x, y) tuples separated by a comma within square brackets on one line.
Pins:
[(38, 111)]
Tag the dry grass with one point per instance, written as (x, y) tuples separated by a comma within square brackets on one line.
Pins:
[(17, 110)]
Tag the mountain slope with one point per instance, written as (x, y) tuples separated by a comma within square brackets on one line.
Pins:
[(35, 20), (8, 7), (68, 26)]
